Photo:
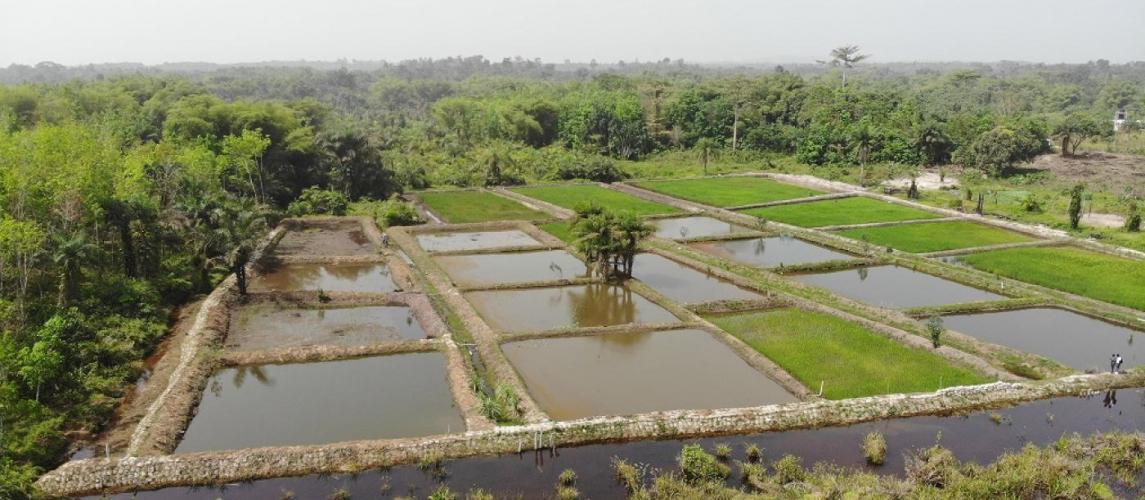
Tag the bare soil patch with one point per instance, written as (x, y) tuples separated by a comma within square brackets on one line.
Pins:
[(325, 237), (1110, 170)]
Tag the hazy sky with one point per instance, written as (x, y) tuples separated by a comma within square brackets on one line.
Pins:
[(86, 31)]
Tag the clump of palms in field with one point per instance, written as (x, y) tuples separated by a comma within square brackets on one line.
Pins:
[(608, 239)]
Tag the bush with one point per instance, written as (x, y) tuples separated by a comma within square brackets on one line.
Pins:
[(875, 448), (1075, 205), (1133, 218), (753, 452), (628, 475), (934, 466), (723, 451), (595, 169), (699, 466), (789, 470), (317, 201), (392, 212), (501, 406), (1032, 204), (935, 328), (567, 477)]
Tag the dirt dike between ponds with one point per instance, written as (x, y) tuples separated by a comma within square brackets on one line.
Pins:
[(119, 475)]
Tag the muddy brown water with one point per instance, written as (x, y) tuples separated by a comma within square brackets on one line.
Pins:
[(1079, 341), (975, 437), (476, 240), (351, 277), (629, 373), (267, 326), (895, 287), (771, 252), (401, 395), (516, 267), (695, 227), (537, 309), (683, 283)]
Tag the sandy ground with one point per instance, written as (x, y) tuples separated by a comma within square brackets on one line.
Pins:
[(1103, 220), (926, 181)]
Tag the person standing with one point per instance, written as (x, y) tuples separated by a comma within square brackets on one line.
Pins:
[(1113, 364), (1120, 360)]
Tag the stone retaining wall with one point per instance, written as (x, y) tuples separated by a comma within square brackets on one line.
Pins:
[(109, 476)]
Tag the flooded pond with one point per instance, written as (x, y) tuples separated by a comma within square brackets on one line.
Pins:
[(516, 267), (1080, 342), (539, 309), (771, 252), (344, 239), (477, 240), (685, 284), (267, 326), (895, 287), (314, 403), (975, 437), (694, 227), (628, 373), (352, 277)]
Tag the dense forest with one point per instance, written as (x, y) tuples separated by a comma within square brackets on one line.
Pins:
[(126, 191)]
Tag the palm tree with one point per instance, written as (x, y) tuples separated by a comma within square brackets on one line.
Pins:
[(70, 255), (630, 231), (239, 227), (706, 147), (845, 57)]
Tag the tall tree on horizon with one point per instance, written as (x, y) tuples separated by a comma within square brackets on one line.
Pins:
[(845, 57)]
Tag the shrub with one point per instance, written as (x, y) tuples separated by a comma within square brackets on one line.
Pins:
[(567, 493), (749, 471), (753, 452), (628, 475), (934, 466), (567, 477), (1032, 204), (340, 494), (442, 493), (1075, 205), (392, 212), (875, 448), (789, 470), (935, 328), (723, 451), (317, 201), (700, 466), (1133, 218), (594, 169), (502, 405)]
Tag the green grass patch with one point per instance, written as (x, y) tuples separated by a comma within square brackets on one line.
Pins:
[(562, 230), (1103, 277), (855, 210), (729, 191), (569, 196), (935, 236), (850, 360), (460, 207)]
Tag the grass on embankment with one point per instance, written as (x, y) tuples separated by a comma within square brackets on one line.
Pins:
[(935, 236), (856, 210), (460, 207), (729, 191), (1099, 276), (570, 196), (561, 230), (850, 360)]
